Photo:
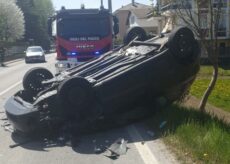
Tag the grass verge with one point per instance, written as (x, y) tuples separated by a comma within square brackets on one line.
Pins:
[(221, 94), (193, 135), (207, 71)]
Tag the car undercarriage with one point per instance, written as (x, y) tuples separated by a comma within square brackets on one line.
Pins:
[(158, 71)]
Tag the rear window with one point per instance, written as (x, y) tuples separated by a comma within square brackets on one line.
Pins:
[(34, 49)]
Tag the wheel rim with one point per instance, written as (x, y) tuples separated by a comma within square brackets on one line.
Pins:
[(33, 79), (36, 85)]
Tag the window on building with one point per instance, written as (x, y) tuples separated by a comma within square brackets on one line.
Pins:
[(202, 4), (222, 29), (222, 49), (186, 4), (222, 3)]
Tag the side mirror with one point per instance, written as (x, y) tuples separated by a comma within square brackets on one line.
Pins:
[(115, 25)]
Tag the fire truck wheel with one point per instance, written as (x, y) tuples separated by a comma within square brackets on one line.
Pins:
[(75, 95), (133, 32), (32, 80), (180, 45)]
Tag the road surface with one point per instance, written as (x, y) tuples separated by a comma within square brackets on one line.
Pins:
[(143, 147)]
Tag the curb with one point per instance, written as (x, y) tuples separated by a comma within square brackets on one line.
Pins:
[(13, 61)]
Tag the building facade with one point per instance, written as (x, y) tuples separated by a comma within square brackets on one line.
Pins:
[(137, 14), (201, 14)]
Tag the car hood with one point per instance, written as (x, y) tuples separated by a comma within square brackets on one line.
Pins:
[(34, 54)]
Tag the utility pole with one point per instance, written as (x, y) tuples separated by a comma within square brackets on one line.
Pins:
[(102, 5), (110, 6)]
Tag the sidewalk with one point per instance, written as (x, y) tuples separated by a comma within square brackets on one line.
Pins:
[(6, 63), (218, 112)]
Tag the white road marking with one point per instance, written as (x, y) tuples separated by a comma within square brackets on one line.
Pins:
[(11, 87), (143, 150)]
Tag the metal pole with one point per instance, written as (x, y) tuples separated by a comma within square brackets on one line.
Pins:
[(102, 6), (133, 2), (110, 6)]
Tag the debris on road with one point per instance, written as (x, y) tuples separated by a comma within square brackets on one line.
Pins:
[(162, 125), (7, 127), (118, 148), (4, 119), (98, 150), (5, 124)]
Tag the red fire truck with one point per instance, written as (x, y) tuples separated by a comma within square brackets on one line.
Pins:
[(82, 34)]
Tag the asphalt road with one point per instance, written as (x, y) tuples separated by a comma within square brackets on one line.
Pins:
[(143, 147)]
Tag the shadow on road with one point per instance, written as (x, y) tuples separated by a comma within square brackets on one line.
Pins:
[(91, 141)]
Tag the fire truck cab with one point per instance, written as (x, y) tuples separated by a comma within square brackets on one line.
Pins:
[(81, 35)]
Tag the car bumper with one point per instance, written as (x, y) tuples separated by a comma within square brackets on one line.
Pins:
[(23, 115), (64, 65), (35, 58)]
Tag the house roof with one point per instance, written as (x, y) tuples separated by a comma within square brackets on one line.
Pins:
[(140, 10)]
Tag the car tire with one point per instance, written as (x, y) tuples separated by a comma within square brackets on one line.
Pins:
[(133, 32), (76, 96), (32, 80), (180, 46)]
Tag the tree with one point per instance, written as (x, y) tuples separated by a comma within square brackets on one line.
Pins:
[(205, 23), (11, 21), (36, 16), (156, 7)]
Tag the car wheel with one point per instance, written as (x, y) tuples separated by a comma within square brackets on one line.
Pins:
[(133, 32), (32, 80), (183, 45), (76, 95)]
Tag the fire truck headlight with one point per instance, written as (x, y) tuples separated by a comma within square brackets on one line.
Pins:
[(97, 53), (71, 53), (60, 65)]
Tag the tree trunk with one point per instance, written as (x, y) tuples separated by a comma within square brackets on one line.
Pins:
[(209, 89)]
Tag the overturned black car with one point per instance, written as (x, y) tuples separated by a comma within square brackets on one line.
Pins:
[(161, 68)]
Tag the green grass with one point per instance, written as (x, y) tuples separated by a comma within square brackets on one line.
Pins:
[(207, 71), (195, 135), (220, 96)]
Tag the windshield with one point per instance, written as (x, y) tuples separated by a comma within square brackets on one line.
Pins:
[(82, 27), (34, 49)]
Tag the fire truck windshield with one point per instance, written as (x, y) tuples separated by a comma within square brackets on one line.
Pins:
[(82, 27)]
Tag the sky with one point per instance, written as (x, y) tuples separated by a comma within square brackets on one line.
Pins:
[(75, 4)]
